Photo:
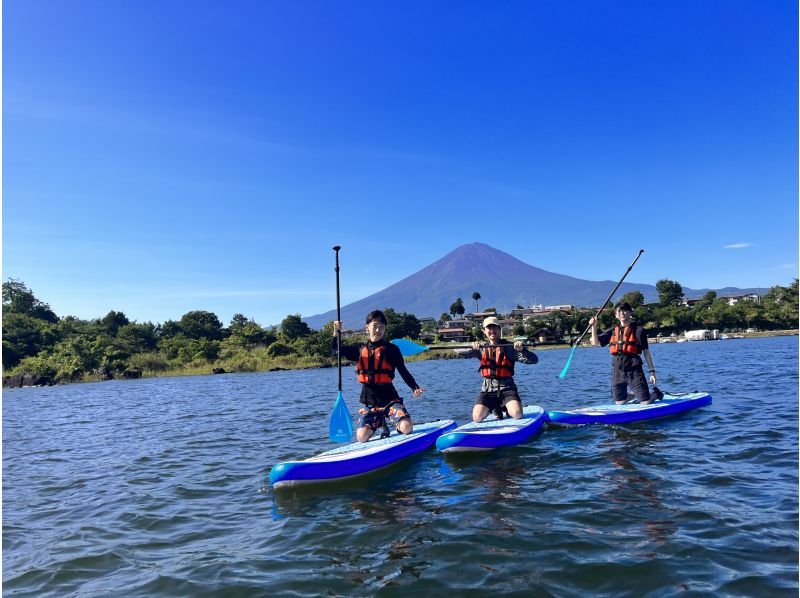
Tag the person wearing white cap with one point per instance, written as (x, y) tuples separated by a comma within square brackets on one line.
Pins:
[(498, 390)]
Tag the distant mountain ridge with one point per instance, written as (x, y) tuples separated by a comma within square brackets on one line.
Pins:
[(502, 280)]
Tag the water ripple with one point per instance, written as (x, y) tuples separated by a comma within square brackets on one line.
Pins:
[(158, 487)]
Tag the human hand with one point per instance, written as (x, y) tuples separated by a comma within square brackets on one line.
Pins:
[(417, 392), (518, 345), (337, 326), (592, 321), (653, 379), (476, 345)]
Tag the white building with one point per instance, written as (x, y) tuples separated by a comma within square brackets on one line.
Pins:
[(698, 335)]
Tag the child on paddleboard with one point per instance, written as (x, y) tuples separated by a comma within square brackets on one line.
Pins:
[(377, 361), (628, 342), (498, 390)]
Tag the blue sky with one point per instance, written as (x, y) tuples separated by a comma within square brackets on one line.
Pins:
[(160, 157)]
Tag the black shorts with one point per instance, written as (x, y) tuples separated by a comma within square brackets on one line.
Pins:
[(634, 380), (494, 400)]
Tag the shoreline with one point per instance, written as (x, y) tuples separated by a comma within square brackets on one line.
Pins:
[(288, 365)]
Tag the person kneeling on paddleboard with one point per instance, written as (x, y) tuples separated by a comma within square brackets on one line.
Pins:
[(498, 390), (377, 361), (628, 342)]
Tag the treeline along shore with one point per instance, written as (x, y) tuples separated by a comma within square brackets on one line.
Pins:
[(41, 348)]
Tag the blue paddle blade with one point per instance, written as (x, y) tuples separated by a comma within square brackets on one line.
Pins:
[(408, 348), (341, 427), (569, 360)]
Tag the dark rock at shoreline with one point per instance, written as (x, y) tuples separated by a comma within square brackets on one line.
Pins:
[(104, 373), (218, 371), (26, 379), (131, 374)]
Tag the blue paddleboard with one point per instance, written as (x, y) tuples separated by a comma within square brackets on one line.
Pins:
[(358, 458), (493, 433), (630, 412)]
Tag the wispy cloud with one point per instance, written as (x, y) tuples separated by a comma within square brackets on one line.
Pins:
[(272, 293), (738, 245)]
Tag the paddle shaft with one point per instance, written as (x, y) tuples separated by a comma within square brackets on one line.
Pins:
[(444, 348), (338, 319), (599, 311)]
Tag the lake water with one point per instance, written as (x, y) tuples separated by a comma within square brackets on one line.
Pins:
[(158, 487)]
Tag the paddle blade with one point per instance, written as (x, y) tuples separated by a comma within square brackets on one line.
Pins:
[(569, 360), (341, 426), (408, 348)]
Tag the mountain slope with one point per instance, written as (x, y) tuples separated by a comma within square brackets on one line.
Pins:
[(502, 280)]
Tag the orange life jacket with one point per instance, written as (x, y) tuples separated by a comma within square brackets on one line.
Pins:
[(373, 367), (625, 344), (495, 363)]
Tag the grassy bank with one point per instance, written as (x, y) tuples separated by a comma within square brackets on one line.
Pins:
[(259, 360)]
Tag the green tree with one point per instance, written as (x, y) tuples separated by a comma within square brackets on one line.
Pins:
[(169, 329), (175, 348), (254, 335), (401, 324), (748, 313), (476, 296), (279, 349), (70, 326), (703, 306), (575, 320), (457, 308), (293, 327), (204, 349), (78, 355), (318, 342), (201, 324), (606, 319), (634, 298), (247, 333), (238, 320), (718, 315), (25, 336), (137, 338), (20, 299), (669, 292), (40, 365), (112, 322), (429, 326), (781, 306)]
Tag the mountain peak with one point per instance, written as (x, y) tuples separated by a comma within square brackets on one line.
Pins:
[(502, 280)]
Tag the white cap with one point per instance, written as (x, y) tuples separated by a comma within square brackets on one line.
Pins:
[(491, 321)]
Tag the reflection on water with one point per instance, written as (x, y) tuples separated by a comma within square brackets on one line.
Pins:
[(637, 487)]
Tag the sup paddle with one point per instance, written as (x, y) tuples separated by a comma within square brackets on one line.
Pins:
[(409, 348), (341, 424), (597, 315)]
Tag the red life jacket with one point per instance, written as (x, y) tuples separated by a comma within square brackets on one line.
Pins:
[(625, 344), (495, 363), (373, 367)]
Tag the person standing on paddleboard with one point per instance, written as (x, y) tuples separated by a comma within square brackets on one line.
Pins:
[(498, 389), (628, 342), (377, 361)]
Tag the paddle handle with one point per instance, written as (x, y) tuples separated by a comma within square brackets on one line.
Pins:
[(336, 249), (602, 307)]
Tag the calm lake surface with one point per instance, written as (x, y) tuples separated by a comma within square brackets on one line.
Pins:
[(159, 487)]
